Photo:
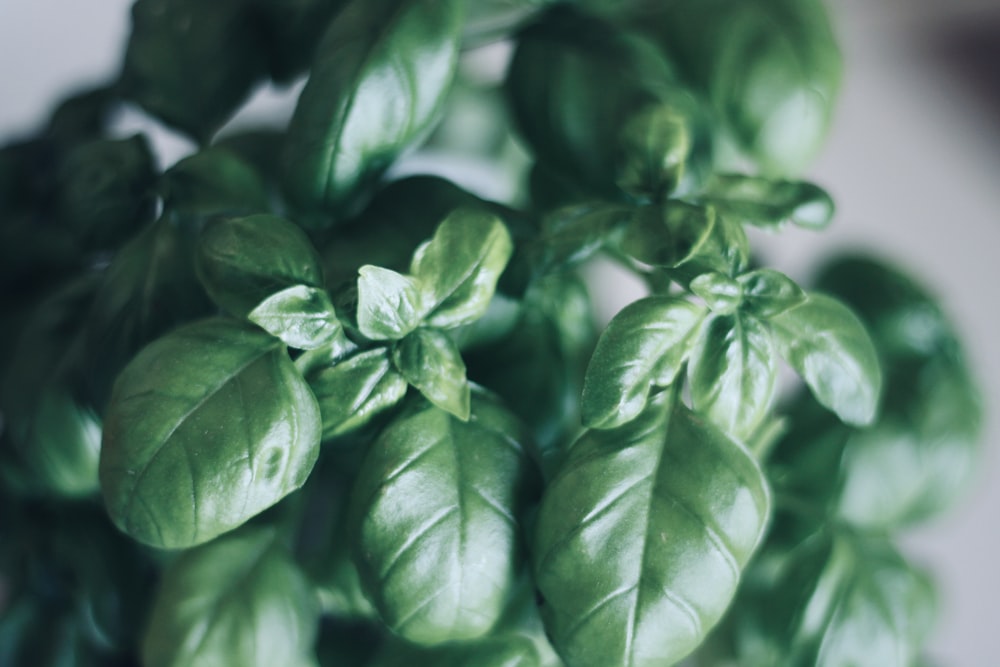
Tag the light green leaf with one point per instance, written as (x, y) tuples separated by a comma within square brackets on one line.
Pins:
[(431, 362), (829, 347), (722, 294), (301, 316), (733, 373), (769, 202), (436, 511), (459, 267), (767, 292), (239, 600), (207, 426), (390, 304), (378, 81), (642, 536), (644, 346), (353, 390), (242, 261)]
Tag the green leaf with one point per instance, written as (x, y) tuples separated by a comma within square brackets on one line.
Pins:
[(655, 145), (829, 347), (767, 292), (390, 304), (722, 295), (644, 346), (431, 362), (768, 202), (213, 181), (833, 601), (572, 234), (291, 32), (667, 235), (207, 427), (302, 317), (503, 651), (354, 390), (105, 190), (458, 269), (437, 532), (378, 81), (642, 536), (191, 64), (239, 600), (733, 373), (242, 261)]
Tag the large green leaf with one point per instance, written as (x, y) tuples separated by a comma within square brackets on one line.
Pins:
[(242, 261), (436, 511), (833, 601), (378, 81), (239, 600), (207, 426), (644, 346), (829, 347), (642, 536), (733, 373)]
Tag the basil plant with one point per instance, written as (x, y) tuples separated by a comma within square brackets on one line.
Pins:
[(293, 401)]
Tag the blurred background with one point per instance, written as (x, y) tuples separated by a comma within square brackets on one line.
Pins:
[(913, 163)]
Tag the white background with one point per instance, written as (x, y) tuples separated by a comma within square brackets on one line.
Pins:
[(913, 163)]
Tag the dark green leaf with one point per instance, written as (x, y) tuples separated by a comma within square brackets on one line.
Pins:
[(240, 600), (354, 390), (430, 361), (105, 190), (191, 63), (574, 233), (733, 373), (642, 536), (83, 115), (242, 261), (828, 346), (214, 181), (668, 235), (767, 292), (457, 270), (390, 304), (643, 347), (207, 427), (291, 31), (833, 601), (377, 83), (769, 203), (655, 145), (302, 317), (504, 651), (436, 509)]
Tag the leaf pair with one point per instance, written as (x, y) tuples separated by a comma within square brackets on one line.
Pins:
[(732, 354)]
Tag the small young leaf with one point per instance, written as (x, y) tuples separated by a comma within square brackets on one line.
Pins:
[(733, 373), (379, 77), (767, 292), (242, 261), (240, 600), (826, 343), (459, 267), (722, 294), (301, 316), (642, 536), (353, 390), (769, 203), (430, 361), (207, 426), (436, 511), (644, 346), (390, 304), (667, 235)]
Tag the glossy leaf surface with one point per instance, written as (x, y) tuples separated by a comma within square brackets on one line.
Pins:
[(642, 536), (430, 361), (238, 600), (769, 203), (437, 534), (767, 292), (302, 317), (828, 346), (207, 426), (242, 261), (378, 80), (390, 304), (644, 347), (733, 373)]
